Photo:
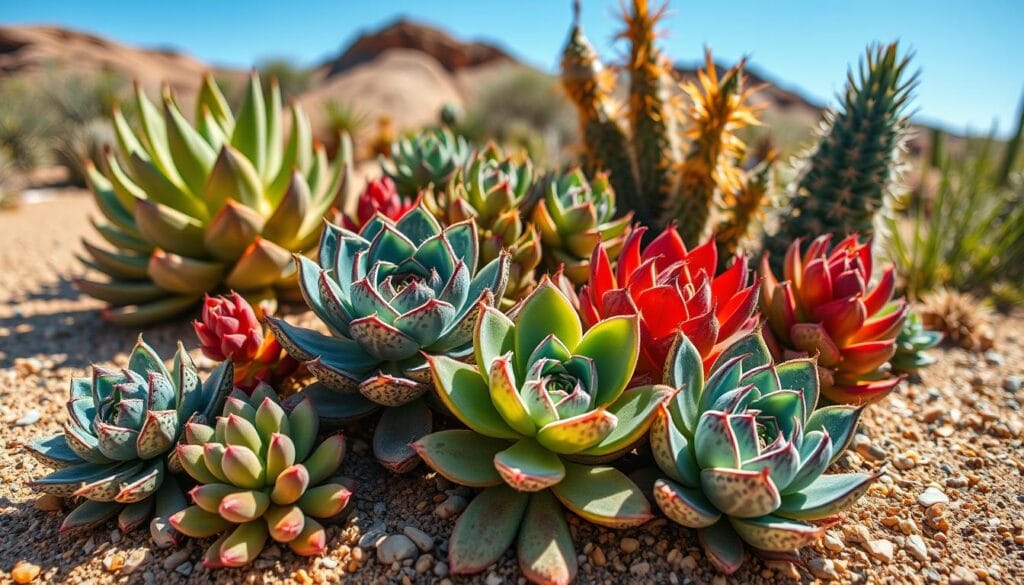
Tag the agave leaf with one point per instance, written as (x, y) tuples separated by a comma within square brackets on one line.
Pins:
[(672, 451), (723, 546), (602, 495), (156, 137), (250, 133), (686, 506), (134, 515), (232, 230), (192, 156), (815, 453), (544, 312), (826, 496), (635, 411), (752, 347), (125, 266), (262, 264), (285, 224), (526, 466), (493, 337), (775, 534), (723, 380), (486, 529), (306, 344), (274, 144), (143, 484), (744, 494), (545, 548), (463, 456), (168, 189), (839, 421), (149, 312), (685, 372), (461, 388), (120, 292), (88, 515), (244, 544), (53, 451), (184, 275), (397, 430), (333, 407), (158, 433)]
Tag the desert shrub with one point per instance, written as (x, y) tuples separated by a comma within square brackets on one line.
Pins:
[(293, 79)]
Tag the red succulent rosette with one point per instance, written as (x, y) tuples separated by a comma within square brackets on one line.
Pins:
[(672, 289), (828, 308), (230, 330), (379, 196)]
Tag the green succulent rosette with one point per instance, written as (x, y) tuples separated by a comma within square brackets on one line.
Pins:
[(116, 449), (262, 476), (543, 403), (424, 160), (744, 452), (390, 295), (215, 205), (574, 216)]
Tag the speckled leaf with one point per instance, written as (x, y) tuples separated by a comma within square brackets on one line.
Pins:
[(614, 345), (461, 388), (775, 534), (398, 428), (714, 441), (744, 494), (683, 505), (826, 496), (635, 411), (839, 421), (486, 529), (671, 450), (388, 390), (526, 466), (53, 451), (463, 456), (88, 515), (144, 484), (382, 340), (723, 546), (578, 433), (545, 548), (158, 433), (505, 396), (603, 495), (115, 442)]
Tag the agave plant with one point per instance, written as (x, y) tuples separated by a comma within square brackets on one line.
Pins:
[(379, 196), (913, 343), (491, 190), (230, 331), (260, 478), (390, 294), (222, 205), (424, 160), (827, 307), (574, 216), (744, 452), (543, 402), (672, 290), (121, 428)]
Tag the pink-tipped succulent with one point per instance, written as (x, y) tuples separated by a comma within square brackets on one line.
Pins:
[(744, 453), (231, 331), (260, 479), (379, 196), (673, 290), (828, 307), (544, 402)]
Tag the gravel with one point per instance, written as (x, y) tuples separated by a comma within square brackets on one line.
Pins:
[(956, 425)]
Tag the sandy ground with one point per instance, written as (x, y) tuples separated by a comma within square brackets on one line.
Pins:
[(959, 429)]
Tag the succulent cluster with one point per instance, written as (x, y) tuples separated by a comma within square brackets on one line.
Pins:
[(390, 294), (261, 477), (425, 160), (544, 402), (827, 307), (219, 205), (379, 196), (114, 451), (744, 451)]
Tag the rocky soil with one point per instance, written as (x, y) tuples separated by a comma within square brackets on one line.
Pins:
[(948, 511)]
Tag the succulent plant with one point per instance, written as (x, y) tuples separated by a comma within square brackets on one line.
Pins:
[(827, 307), (672, 289), (912, 344), (390, 294), (491, 190), (543, 402), (427, 159), (744, 451), (574, 216), (122, 427), (222, 205), (260, 478), (230, 331), (379, 196)]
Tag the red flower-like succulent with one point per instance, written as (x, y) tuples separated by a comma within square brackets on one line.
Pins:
[(827, 307), (379, 196), (672, 289), (230, 330)]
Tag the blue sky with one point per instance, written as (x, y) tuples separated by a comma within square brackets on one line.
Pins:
[(970, 53)]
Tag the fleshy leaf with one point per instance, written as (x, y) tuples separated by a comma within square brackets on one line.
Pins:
[(528, 467), (486, 529), (545, 548), (685, 506), (463, 456), (602, 495)]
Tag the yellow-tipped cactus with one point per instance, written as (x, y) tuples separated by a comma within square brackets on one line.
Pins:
[(711, 169), (260, 479), (221, 204)]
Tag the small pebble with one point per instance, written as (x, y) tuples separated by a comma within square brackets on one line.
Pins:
[(184, 569), (31, 417), (25, 572), (423, 541), (328, 563), (49, 503), (395, 548), (373, 535), (832, 543), (113, 563), (917, 548), (1013, 383), (451, 507), (881, 549), (629, 545), (176, 558), (441, 569), (494, 579), (932, 496), (640, 568), (423, 563), (823, 568)]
